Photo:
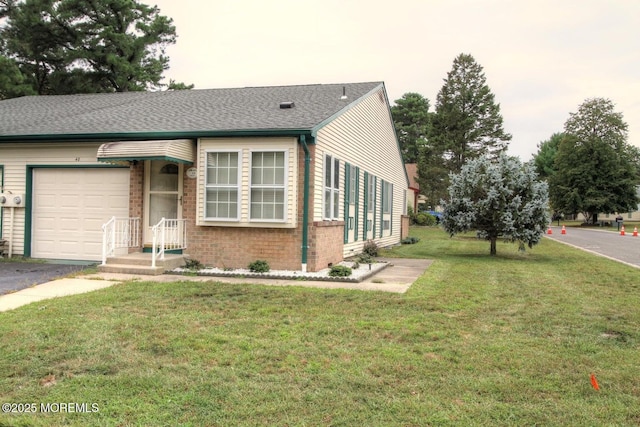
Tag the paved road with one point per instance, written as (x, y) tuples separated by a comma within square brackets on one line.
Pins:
[(606, 243), (19, 275)]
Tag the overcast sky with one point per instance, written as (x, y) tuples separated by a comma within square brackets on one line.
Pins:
[(541, 58)]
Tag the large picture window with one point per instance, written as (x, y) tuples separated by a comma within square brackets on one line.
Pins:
[(222, 186), (331, 188), (268, 185), (248, 182)]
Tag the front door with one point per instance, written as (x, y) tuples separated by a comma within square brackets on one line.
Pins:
[(163, 194)]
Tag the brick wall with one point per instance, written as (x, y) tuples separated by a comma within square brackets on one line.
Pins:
[(404, 224), (326, 242), (136, 192)]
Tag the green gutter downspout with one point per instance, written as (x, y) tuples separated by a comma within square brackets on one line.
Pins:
[(305, 203)]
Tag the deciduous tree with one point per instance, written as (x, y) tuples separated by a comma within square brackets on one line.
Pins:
[(545, 158), (596, 169)]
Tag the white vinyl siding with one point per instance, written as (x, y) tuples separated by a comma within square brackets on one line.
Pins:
[(16, 157), (364, 137), (267, 181), (222, 185)]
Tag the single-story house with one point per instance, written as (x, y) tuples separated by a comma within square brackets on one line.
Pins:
[(299, 176)]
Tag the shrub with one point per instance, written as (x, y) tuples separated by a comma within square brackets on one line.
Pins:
[(193, 264), (425, 219), (366, 259), (370, 248), (259, 266), (410, 240), (340, 271), (411, 214)]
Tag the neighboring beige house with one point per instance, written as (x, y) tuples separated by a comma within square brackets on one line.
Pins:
[(300, 176)]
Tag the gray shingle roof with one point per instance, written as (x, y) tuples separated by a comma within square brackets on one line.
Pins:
[(205, 110)]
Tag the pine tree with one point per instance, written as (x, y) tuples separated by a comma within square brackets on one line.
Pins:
[(80, 46), (411, 119), (467, 122)]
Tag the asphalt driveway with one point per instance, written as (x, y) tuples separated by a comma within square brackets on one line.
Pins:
[(609, 244), (19, 275)]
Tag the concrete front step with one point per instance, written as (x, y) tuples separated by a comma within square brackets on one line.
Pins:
[(131, 269), (140, 263)]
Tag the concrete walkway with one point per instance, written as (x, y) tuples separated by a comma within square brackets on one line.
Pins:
[(397, 277), (54, 289)]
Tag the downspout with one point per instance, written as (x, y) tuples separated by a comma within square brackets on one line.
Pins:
[(305, 203)]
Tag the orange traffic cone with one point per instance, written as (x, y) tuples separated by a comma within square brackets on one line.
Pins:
[(549, 230), (635, 231), (622, 231), (564, 230)]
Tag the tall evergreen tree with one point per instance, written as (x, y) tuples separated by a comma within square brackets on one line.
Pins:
[(433, 174), (467, 122), (78, 46), (595, 169), (411, 119), (12, 82)]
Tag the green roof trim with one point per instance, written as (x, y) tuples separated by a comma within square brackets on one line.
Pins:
[(142, 136)]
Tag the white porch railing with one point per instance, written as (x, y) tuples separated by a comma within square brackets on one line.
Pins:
[(168, 235), (119, 233)]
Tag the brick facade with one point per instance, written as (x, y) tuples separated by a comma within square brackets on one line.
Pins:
[(136, 196), (326, 244), (405, 222)]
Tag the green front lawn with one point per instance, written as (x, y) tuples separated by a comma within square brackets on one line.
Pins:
[(477, 340)]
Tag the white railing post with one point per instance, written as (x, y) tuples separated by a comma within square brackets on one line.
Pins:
[(154, 246), (105, 237), (168, 234), (163, 236), (119, 233)]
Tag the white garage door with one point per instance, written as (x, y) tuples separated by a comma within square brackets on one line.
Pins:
[(69, 208)]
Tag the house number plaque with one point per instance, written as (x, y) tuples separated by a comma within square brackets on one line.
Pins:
[(192, 173)]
